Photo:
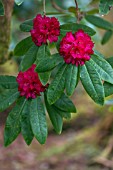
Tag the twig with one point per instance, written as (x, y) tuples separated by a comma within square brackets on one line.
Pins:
[(44, 7), (57, 7), (78, 13)]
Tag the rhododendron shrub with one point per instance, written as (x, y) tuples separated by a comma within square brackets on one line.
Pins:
[(56, 57), (28, 115)]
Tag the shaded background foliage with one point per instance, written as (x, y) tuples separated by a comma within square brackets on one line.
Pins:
[(76, 148)]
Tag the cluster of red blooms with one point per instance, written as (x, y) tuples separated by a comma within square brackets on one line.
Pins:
[(29, 84), (45, 28), (76, 48)]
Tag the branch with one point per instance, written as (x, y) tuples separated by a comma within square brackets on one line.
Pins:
[(44, 7), (78, 13), (57, 7), (5, 24)]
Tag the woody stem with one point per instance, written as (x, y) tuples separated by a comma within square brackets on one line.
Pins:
[(44, 7), (77, 10)]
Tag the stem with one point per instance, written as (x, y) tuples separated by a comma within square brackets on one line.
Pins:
[(77, 10), (57, 7), (44, 7)]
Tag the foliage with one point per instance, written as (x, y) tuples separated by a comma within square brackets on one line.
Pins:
[(28, 116)]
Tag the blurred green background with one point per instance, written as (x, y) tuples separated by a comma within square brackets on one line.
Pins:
[(86, 141)]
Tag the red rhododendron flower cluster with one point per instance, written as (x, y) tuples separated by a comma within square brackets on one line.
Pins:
[(76, 48), (45, 28), (29, 84)]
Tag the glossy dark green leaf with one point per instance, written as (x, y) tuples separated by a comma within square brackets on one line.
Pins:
[(19, 2), (63, 114), (106, 37), (23, 46), (7, 98), (92, 83), (71, 79), (44, 77), (1, 9), (103, 68), (105, 6), (29, 58), (27, 26), (13, 127), (110, 61), (99, 22), (57, 86), (65, 104), (42, 53), (25, 124), (56, 119), (38, 120), (48, 63), (75, 27), (108, 89), (8, 82)]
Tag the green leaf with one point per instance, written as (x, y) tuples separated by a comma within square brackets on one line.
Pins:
[(75, 27), (104, 6), (65, 104), (19, 2), (92, 83), (8, 82), (2, 12), (99, 22), (102, 67), (38, 120), (27, 26), (25, 124), (44, 77), (71, 79), (29, 58), (73, 10), (106, 37), (7, 98), (110, 61), (63, 114), (13, 127), (92, 11), (98, 54), (42, 53), (48, 63), (108, 89), (57, 86), (56, 119), (23, 46)]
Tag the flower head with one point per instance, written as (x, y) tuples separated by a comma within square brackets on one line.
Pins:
[(76, 48), (45, 28), (29, 84)]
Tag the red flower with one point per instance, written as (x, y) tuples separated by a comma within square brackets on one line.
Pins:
[(76, 48), (29, 84), (45, 28)]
